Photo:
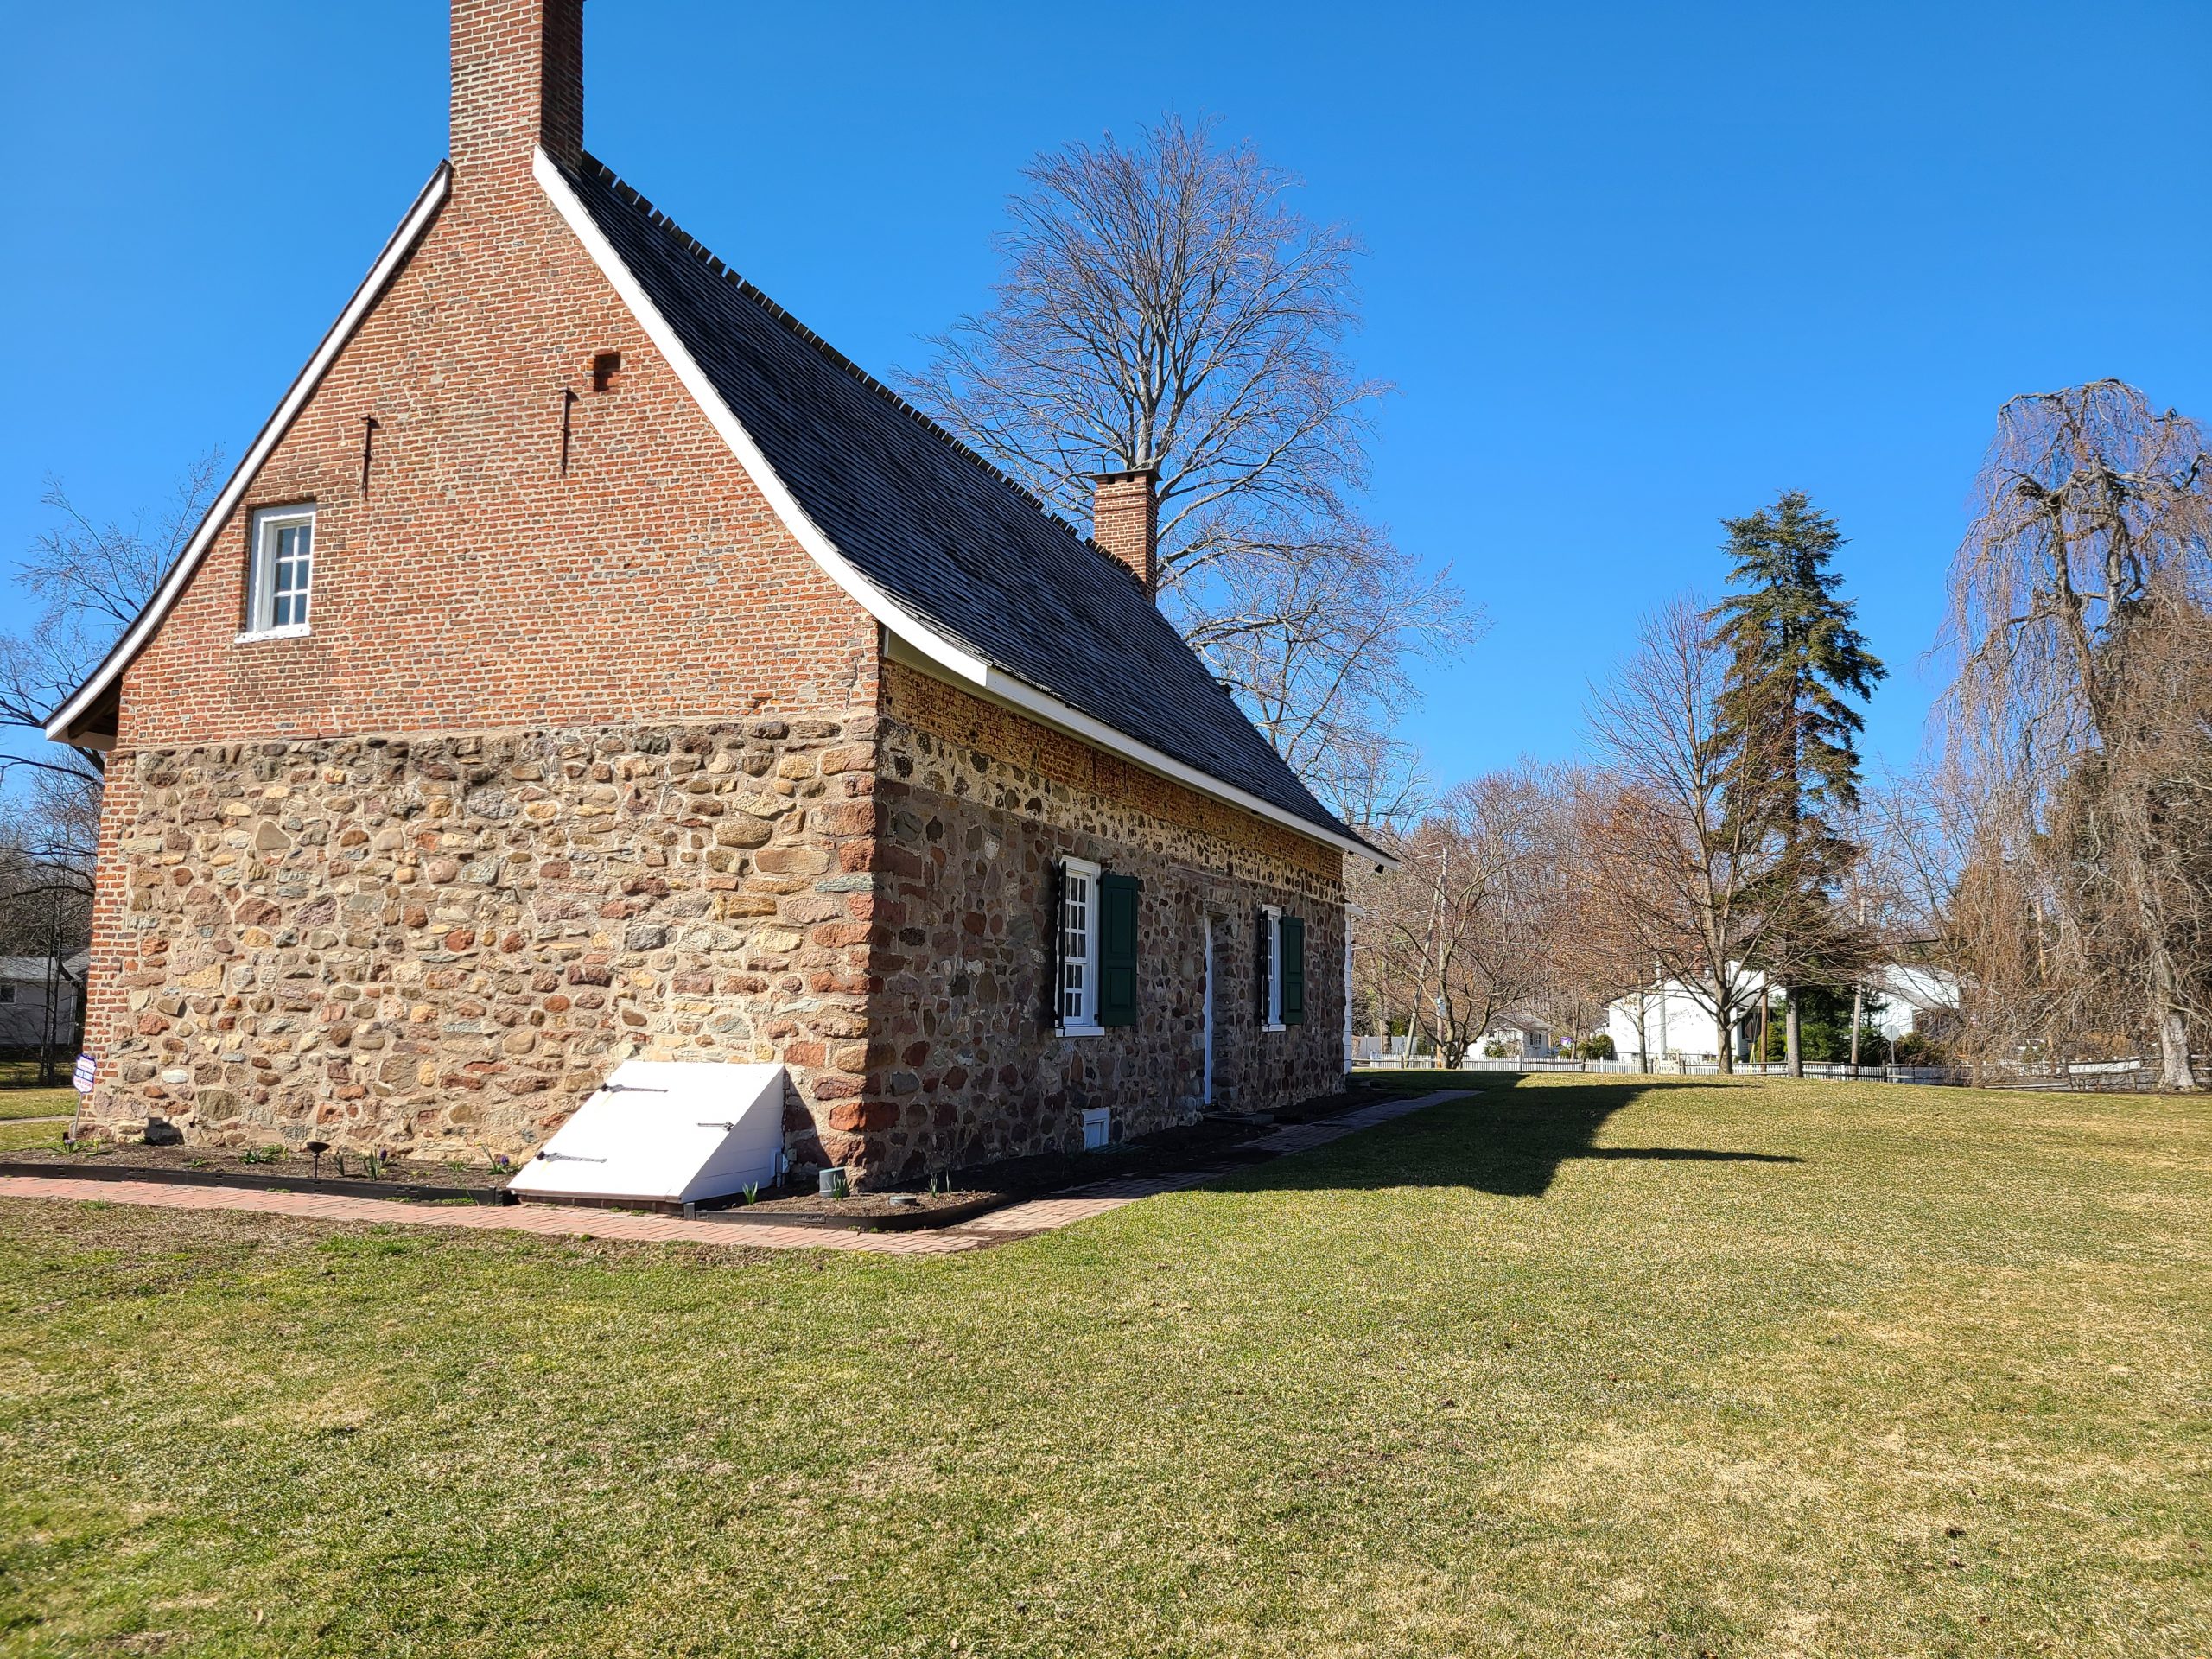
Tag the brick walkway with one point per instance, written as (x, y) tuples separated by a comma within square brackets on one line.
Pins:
[(1023, 1220)]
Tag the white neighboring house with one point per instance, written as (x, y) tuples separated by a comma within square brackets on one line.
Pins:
[(1676, 1025), (1908, 991), (23, 983), (1679, 1027), (1521, 1038)]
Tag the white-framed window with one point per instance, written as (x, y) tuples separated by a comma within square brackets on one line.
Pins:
[(282, 572), (1274, 922), (1078, 948)]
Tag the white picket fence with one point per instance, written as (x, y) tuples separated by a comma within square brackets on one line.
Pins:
[(1671, 1068), (2086, 1076)]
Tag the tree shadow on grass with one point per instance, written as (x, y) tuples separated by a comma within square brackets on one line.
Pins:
[(1503, 1139)]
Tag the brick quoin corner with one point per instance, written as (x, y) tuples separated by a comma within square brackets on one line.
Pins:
[(585, 757)]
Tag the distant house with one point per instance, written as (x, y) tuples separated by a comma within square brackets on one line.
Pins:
[(1670, 1020), (1666, 1021), (38, 1002), (1914, 998), (1520, 1036)]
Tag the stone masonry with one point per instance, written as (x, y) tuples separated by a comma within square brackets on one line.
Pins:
[(440, 944), (977, 803)]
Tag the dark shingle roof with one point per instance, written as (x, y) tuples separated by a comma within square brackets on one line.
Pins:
[(936, 528)]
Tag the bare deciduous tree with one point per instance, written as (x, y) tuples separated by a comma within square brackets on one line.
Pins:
[(1162, 305), (1682, 853), (94, 578), (1464, 925), (2080, 717)]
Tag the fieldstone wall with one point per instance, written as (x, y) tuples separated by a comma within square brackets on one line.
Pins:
[(441, 944), (977, 803)]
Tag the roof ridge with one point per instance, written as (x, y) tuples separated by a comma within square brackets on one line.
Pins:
[(660, 221)]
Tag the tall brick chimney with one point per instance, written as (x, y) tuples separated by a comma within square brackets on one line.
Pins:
[(1125, 521), (518, 84)]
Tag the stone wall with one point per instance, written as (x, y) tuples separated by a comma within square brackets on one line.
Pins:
[(443, 943), (977, 803)]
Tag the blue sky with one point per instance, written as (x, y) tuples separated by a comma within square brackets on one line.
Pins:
[(1631, 267)]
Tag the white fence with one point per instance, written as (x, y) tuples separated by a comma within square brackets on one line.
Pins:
[(1671, 1068), (2098, 1077)]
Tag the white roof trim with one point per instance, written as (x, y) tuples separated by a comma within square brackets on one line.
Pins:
[(962, 664), (59, 727)]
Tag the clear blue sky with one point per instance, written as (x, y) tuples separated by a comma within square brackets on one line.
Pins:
[(1632, 267)]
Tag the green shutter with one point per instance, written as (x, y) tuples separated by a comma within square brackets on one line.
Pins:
[(1117, 949), (1294, 970)]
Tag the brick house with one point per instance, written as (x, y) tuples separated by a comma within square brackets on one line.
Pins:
[(585, 662)]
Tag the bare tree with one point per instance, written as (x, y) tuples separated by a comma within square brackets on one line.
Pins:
[(1683, 852), (94, 578), (1161, 304), (2080, 629), (1467, 920)]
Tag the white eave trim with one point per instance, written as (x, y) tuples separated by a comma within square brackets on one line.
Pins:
[(944, 654), (59, 726)]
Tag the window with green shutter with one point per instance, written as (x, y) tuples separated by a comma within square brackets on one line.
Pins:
[(1117, 949), (1294, 970)]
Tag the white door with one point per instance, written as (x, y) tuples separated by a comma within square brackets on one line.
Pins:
[(1208, 1014)]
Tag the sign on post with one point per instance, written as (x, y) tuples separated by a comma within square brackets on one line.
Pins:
[(82, 1076)]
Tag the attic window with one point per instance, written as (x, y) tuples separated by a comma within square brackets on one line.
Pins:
[(282, 571), (604, 369)]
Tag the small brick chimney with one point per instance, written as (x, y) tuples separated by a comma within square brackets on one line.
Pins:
[(518, 84), (1125, 521)]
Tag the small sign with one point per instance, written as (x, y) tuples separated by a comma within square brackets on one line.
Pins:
[(82, 1076)]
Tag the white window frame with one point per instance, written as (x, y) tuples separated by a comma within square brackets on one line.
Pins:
[(261, 574), (1081, 1019), (1274, 1021)]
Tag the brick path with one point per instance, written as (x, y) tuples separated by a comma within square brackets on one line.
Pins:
[(1023, 1220)]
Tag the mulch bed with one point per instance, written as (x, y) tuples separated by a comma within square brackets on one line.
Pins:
[(290, 1171)]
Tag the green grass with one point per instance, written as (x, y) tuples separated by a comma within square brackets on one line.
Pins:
[(1575, 1368), (16, 1103), (20, 1136)]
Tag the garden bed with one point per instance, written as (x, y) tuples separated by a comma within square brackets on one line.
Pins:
[(265, 1169)]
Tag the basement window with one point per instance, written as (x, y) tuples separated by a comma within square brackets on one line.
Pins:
[(281, 574), (604, 368)]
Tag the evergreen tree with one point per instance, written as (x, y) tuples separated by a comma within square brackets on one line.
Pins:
[(1788, 727)]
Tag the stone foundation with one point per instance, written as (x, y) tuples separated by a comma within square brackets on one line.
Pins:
[(978, 804), (441, 944)]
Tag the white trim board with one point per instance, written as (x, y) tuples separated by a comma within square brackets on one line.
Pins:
[(935, 653), (402, 243)]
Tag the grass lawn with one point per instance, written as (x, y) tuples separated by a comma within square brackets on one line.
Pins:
[(1579, 1366), (19, 1136), (37, 1102)]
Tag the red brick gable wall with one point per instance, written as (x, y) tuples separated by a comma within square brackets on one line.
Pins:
[(475, 586)]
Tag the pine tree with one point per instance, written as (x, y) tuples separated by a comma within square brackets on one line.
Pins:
[(1794, 658)]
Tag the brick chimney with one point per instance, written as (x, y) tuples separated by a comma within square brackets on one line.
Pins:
[(1125, 521), (518, 84)]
